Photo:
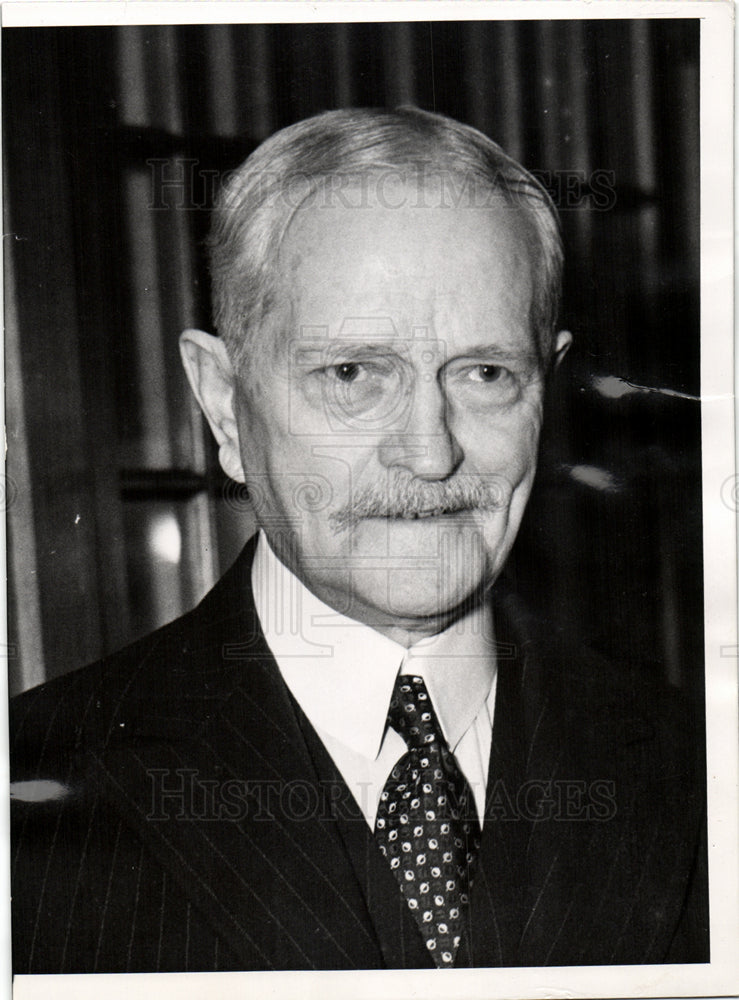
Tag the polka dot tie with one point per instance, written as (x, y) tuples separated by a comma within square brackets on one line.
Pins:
[(427, 824)]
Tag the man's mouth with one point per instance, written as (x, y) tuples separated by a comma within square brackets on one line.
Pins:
[(347, 521), (432, 512)]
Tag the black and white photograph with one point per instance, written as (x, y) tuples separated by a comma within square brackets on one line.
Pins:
[(370, 499)]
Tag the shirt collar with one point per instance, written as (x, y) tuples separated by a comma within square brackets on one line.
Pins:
[(342, 672), (458, 666)]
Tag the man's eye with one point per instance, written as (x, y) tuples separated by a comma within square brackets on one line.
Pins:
[(348, 371), (487, 373)]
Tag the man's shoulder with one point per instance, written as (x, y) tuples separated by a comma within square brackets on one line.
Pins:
[(50, 722), (186, 666)]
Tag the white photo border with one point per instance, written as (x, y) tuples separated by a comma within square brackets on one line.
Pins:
[(720, 503)]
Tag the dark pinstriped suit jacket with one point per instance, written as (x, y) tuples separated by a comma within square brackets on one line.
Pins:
[(592, 849)]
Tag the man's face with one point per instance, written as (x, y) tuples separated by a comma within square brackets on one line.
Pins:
[(389, 436)]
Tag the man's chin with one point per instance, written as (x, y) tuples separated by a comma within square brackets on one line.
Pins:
[(414, 597), (436, 566), (425, 594)]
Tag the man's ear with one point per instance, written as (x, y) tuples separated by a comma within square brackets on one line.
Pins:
[(561, 347), (212, 379)]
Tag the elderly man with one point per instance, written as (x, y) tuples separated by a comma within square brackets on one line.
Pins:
[(356, 753)]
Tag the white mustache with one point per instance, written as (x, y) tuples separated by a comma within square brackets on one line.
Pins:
[(404, 497)]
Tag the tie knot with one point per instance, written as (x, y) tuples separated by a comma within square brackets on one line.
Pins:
[(412, 715)]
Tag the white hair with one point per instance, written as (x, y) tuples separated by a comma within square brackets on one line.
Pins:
[(332, 151)]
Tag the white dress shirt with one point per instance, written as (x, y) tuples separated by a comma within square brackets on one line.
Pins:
[(342, 673)]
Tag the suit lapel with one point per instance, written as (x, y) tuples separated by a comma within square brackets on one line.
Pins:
[(579, 862), (496, 901), (247, 832)]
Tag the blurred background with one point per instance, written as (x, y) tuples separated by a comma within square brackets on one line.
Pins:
[(119, 518)]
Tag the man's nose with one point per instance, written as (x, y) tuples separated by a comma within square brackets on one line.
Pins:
[(424, 444)]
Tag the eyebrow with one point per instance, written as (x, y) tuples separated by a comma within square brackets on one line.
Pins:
[(355, 347), (496, 353)]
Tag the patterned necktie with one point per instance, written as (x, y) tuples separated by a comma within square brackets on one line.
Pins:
[(427, 824)]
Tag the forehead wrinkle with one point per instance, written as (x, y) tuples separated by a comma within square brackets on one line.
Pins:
[(380, 348)]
